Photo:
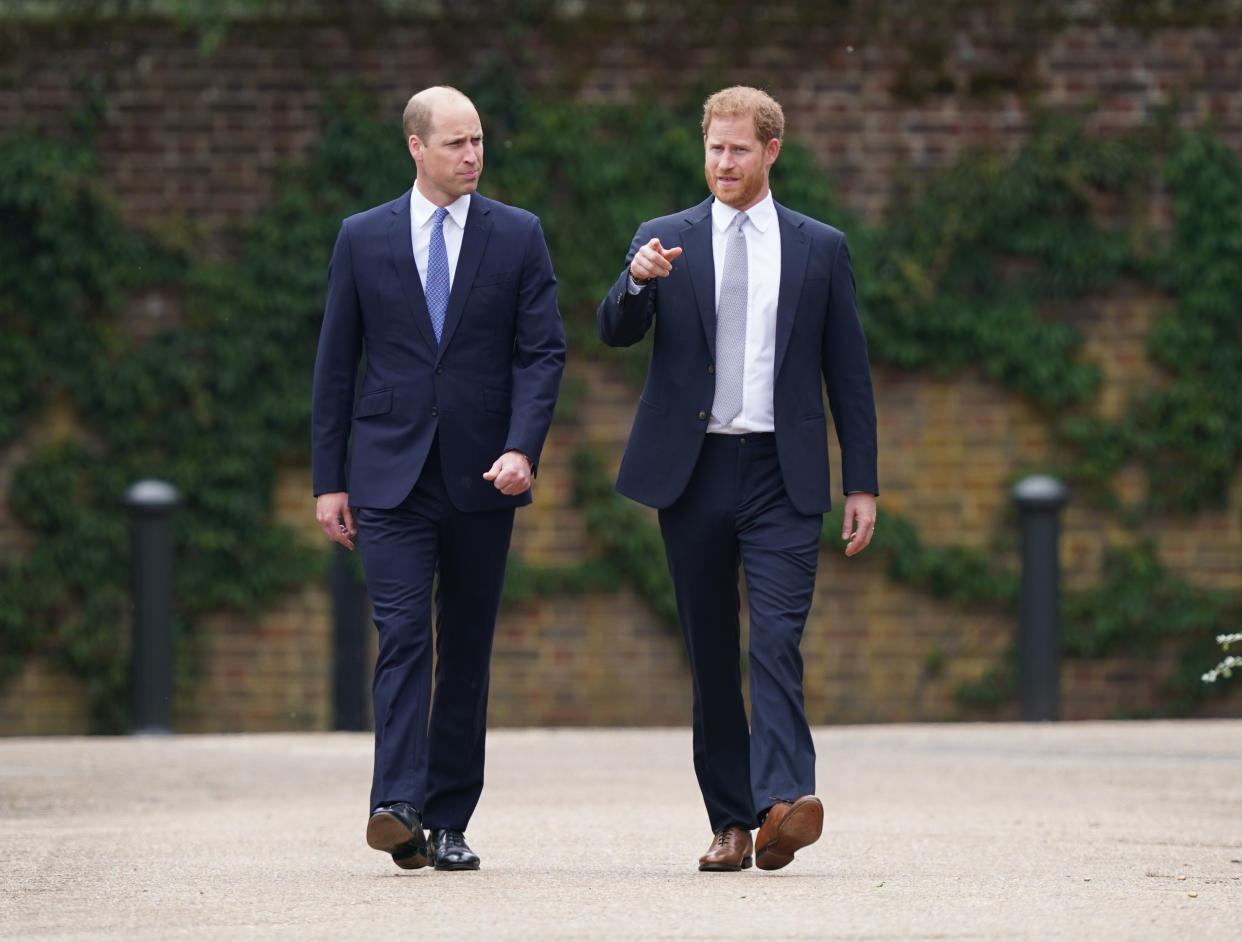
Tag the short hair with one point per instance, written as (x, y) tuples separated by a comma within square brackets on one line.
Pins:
[(419, 111), (740, 100)]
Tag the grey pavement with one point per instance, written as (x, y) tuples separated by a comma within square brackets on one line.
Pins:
[(1009, 831)]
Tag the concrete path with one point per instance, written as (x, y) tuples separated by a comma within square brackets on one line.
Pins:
[(1079, 831)]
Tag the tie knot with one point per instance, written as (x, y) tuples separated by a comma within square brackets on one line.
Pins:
[(738, 221), (441, 212)]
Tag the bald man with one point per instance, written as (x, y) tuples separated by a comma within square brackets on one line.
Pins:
[(451, 299)]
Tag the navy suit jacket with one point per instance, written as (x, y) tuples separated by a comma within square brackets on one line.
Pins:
[(489, 386), (818, 334)]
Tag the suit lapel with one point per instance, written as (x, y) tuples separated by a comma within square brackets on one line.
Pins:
[(697, 242), (401, 244), (795, 251), (473, 244)]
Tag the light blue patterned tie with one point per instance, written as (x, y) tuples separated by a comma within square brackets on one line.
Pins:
[(731, 325), (437, 274)]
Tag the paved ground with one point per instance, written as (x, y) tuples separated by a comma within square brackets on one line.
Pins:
[(1076, 831)]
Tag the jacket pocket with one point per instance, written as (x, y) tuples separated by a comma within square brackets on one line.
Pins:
[(496, 400), (493, 278), (376, 403)]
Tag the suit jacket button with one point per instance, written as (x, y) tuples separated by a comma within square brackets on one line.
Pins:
[(702, 414), (435, 411), (711, 368), (439, 370)]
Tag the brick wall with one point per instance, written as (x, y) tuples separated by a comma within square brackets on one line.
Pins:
[(191, 138), (199, 133)]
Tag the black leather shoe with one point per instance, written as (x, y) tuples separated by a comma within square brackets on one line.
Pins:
[(397, 829), (449, 851)]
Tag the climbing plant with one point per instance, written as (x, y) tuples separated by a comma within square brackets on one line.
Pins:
[(1187, 432), (966, 272), (211, 405)]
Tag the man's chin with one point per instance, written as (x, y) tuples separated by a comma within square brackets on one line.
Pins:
[(728, 197)]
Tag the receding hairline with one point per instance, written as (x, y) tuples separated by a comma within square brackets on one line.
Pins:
[(420, 110)]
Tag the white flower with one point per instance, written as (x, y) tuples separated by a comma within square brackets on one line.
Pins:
[(1223, 669)]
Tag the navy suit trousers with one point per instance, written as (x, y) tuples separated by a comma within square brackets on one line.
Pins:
[(735, 511), (431, 753)]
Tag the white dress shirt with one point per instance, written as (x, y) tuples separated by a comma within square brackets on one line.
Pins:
[(422, 211), (763, 284)]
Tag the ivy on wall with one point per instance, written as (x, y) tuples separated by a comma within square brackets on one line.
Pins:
[(66, 266), (1187, 433), (963, 274), (212, 405)]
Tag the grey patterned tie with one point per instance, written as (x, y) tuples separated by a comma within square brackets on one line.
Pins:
[(731, 325)]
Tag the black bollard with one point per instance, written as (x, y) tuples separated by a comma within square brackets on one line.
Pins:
[(151, 505), (349, 604), (1039, 499)]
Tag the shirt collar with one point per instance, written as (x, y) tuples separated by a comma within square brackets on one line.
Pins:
[(422, 209), (761, 215)]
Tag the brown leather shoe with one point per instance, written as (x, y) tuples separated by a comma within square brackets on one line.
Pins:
[(786, 829), (731, 850)]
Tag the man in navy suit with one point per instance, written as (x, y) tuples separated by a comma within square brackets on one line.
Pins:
[(451, 298), (751, 305)]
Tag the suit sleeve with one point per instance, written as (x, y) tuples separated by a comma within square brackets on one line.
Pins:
[(847, 378), (623, 318), (336, 367), (538, 351)]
